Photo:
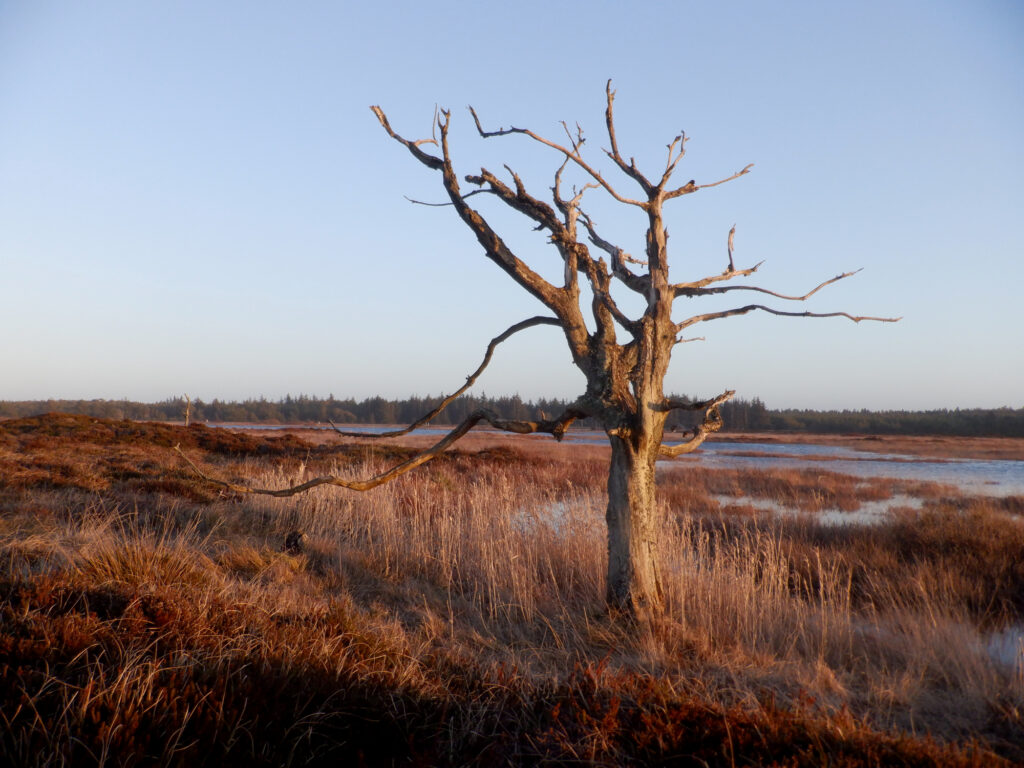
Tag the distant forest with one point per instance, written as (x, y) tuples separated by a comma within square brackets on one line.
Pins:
[(739, 415)]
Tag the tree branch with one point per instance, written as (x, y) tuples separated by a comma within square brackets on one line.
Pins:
[(519, 200), (633, 326), (672, 404), (692, 186), (670, 164), (494, 246), (470, 380), (413, 146), (496, 249), (751, 307), (569, 208), (578, 259), (694, 288), (728, 288), (732, 235), (445, 205), (572, 154), (638, 283), (630, 170), (712, 423), (556, 427), (743, 172)]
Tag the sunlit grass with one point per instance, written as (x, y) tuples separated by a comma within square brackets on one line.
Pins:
[(456, 616)]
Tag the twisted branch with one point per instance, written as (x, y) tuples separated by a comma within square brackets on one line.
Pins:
[(672, 404), (556, 427), (712, 423)]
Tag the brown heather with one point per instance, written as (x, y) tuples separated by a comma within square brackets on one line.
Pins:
[(457, 615)]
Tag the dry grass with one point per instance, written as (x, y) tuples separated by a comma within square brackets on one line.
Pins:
[(456, 615)]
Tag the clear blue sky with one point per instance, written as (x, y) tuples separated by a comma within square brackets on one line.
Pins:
[(195, 197)]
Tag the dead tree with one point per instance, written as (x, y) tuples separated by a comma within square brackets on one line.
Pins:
[(624, 359)]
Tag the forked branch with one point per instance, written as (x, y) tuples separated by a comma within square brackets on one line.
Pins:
[(712, 423), (670, 164), (638, 283), (470, 380), (413, 146), (630, 170), (672, 404), (495, 248), (693, 186), (519, 200), (571, 154), (556, 427), (696, 287)]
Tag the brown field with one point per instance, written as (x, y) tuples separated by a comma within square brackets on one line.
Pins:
[(456, 617)]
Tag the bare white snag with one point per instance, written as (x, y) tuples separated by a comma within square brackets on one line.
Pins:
[(625, 378)]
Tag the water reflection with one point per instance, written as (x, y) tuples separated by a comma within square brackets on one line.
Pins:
[(1007, 647), (870, 512)]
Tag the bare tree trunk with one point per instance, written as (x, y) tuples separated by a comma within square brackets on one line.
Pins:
[(634, 578)]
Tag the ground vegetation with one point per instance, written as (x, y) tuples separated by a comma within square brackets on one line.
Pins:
[(456, 616)]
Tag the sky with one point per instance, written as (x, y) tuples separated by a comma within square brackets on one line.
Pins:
[(196, 198)]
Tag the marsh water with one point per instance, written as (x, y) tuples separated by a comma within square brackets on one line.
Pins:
[(1001, 477)]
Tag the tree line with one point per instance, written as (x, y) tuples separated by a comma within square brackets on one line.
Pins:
[(739, 415)]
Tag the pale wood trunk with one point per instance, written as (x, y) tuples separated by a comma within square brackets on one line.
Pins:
[(634, 579)]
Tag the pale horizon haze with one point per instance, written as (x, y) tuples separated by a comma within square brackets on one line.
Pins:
[(196, 198)]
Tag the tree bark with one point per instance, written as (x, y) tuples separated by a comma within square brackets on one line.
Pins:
[(634, 579)]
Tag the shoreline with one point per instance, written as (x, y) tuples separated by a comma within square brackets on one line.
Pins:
[(924, 446)]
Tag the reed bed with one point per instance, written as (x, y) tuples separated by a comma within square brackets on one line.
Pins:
[(456, 616)]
